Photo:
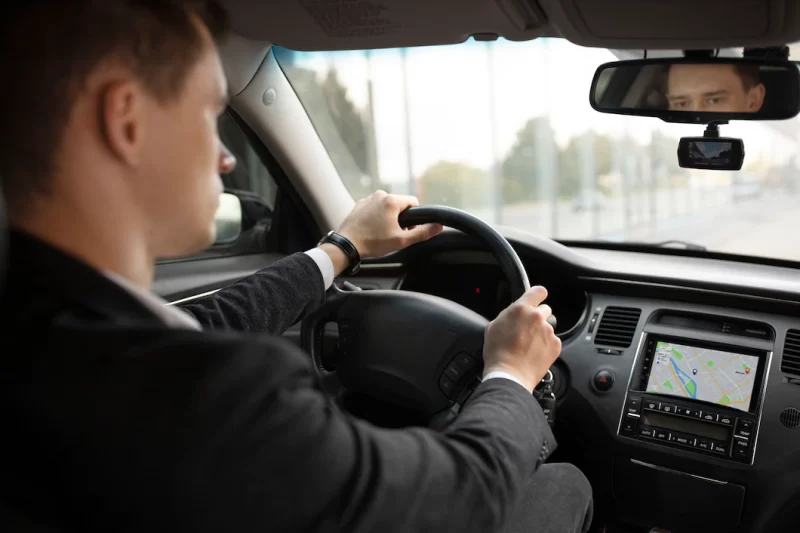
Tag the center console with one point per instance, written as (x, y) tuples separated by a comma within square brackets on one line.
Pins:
[(698, 385)]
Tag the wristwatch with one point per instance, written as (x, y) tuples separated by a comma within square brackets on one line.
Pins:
[(344, 244)]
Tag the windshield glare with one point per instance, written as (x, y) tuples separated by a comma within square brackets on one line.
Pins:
[(505, 131)]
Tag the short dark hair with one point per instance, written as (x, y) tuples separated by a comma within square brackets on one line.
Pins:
[(49, 48), (749, 73)]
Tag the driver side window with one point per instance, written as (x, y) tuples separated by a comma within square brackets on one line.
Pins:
[(247, 210), (251, 174)]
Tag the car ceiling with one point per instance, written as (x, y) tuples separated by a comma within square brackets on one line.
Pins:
[(624, 24)]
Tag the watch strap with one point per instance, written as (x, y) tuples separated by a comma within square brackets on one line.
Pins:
[(349, 249)]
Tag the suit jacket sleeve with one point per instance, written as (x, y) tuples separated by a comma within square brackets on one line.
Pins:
[(261, 448), (268, 301)]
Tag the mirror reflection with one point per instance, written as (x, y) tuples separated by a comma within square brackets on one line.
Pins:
[(726, 88), (722, 87), (228, 219)]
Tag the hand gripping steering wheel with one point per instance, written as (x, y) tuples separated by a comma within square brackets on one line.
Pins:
[(410, 349)]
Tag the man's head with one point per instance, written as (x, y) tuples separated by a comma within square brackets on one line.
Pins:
[(725, 88), (112, 105)]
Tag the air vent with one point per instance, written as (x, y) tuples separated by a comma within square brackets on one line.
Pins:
[(790, 362), (790, 418), (617, 326)]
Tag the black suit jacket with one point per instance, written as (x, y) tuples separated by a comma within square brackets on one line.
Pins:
[(113, 422)]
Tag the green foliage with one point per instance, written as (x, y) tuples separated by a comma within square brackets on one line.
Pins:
[(453, 184), (342, 127), (571, 173), (521, 167)]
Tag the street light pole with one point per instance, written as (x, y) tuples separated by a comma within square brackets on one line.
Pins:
[(412, 186), (497, 182)]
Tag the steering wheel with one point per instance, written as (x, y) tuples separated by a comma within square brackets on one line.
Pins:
[(410, 349)]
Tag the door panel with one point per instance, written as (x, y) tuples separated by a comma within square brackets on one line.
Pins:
[(184, 279)]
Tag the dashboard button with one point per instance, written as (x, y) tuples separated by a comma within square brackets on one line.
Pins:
[(719, 447), (744, 428), (454, 371), (633, 405), (683, 440), (608, 351), (661, 434), (593, 322), (741, 448), (709, 417), (704, 444), (668, 407), (725, 419), (653, 406), (645, 431), (447, 386), (686, 411), (629, 424), (604, 380), (466, 362)]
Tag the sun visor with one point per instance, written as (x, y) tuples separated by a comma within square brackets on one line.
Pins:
[(307, 25), (670, 24)]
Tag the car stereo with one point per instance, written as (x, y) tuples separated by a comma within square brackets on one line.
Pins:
[(698, 396)]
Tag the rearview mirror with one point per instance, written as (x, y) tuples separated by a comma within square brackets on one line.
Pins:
[(228, 219), (698, 90)]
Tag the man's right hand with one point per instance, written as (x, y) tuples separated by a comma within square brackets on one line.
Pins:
[(520, 341)]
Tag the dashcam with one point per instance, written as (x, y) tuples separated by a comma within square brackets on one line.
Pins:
[(711, 153)]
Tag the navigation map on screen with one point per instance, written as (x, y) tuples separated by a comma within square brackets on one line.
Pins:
[(723, 378)]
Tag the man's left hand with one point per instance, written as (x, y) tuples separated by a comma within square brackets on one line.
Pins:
[(373, 228)]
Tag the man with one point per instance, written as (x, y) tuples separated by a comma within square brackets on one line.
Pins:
[(722, 88), (120, 413)]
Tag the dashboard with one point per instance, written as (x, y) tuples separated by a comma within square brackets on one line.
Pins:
[(679, 379), (475, 281)]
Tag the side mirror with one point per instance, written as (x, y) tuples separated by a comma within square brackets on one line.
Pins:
[(228, 219)]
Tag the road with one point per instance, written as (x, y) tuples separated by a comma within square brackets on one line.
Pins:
[(766, 226)]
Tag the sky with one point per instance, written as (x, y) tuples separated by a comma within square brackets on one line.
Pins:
[(453, 90)]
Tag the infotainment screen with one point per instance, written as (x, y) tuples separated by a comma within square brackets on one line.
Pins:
[(724, 378)]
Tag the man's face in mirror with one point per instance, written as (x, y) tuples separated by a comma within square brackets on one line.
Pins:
[(725, 88)]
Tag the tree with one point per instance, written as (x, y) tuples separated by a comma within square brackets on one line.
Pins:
[(342, 127), (663, 151), (521, 167), (571, 161), (453, 184)]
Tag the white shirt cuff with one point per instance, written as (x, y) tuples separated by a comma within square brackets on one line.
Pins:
[(505, 375), (324, 264)]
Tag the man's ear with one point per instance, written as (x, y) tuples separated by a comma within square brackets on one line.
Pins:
[(121, 120), (755, 97)]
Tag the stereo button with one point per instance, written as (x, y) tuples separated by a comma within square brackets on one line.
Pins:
[(629, 424), (719, 447), (685, 411), (667, 407), (741, 448), (653, 406), (683, 440), (744, 428), (633, 405)]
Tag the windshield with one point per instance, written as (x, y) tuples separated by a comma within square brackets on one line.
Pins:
[(505, 131)]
